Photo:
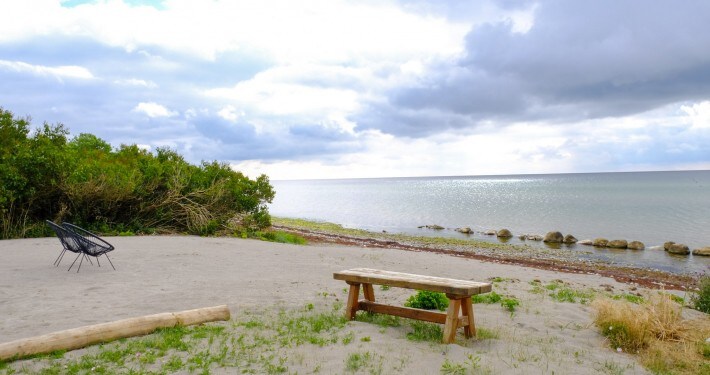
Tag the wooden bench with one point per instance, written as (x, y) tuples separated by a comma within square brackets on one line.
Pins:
[(459, 293)]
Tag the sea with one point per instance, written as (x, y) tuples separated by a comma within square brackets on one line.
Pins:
[(651, 207)]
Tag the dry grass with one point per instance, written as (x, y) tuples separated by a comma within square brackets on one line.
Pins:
[(657, 332)]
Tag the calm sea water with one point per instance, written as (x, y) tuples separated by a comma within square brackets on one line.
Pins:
[(652, 207)]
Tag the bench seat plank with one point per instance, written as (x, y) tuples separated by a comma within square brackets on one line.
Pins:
[(411, 281)]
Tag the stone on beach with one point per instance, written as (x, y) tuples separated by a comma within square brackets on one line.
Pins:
[(600, 242), (432, 226), (553, 237), (504, 233), (570, 239), (679, 248), (618, 244), (703, 251), (636, 245)]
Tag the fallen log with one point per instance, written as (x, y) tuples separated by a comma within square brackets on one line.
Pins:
[(80, 337)]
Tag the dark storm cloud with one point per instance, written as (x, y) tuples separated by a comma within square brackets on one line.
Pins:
[(580, 60)]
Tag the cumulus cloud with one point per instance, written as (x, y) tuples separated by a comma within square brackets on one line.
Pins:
[(58, 72), (576, 61), (153, 110), (386, 88)]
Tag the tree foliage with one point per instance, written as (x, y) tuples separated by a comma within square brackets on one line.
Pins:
[(46, 175)]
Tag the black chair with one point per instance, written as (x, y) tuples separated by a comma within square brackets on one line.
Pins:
[(69, 243), (90, 244)]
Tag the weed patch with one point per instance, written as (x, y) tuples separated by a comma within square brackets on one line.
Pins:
[(428, 300), (656, 331), (701, 299), (423, 331)]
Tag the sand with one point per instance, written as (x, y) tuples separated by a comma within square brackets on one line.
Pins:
[(172, 273)]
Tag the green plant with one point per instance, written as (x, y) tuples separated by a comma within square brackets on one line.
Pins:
[(629, 297), (701, 299), (46, 175), (428, 300), (451, 368), (423, 331), (488, 298), (510, 304), (384, 287)]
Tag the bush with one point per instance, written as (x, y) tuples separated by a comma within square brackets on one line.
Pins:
[(45, 175), (701, 299), (428, 300)]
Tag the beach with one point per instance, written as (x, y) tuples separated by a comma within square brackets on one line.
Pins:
[(157, 274)]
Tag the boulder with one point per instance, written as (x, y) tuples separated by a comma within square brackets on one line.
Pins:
[(600, 242), (553, 237), (679, 248), (703, 251), (522, 237), (490, 232), (570, 239), (504, 233), (586, 242), (667, 245), (617, 244), (636, 245), (464, 230), (434, 227)]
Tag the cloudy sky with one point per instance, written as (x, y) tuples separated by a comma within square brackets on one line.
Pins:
[(372, 88)]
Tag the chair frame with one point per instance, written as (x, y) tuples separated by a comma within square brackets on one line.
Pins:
[(68, 241), (91, 244)]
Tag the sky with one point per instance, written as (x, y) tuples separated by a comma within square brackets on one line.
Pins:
[(372, 88)]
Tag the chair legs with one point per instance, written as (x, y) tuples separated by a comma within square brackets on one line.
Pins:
[(109, 260), (59, 258), (88, 258)]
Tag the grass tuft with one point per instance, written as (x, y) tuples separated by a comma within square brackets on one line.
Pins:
[(701, 299), (657, 332)]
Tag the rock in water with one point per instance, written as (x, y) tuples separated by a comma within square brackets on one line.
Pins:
[(618, 244), (703, 251), (533, 237), (667, 245), (490, 232), (679, 248), (464, 230), (636, 245), (553, 237), (600, 242), (570, 239), (586, 242), (504, 233)]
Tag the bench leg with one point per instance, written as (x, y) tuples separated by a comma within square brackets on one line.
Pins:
[(369, 292), (452, 320), (467, 312), (352, 306)]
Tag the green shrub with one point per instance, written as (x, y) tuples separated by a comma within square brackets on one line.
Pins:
[(46, 175), (428, 300), (701, 299), (488, 298), (510, 304)]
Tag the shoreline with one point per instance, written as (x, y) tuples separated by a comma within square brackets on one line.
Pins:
[(511, 254)]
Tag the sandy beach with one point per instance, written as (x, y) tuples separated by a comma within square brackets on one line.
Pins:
[(157, 274)]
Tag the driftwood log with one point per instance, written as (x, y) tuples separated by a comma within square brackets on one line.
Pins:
[(76, 338)]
